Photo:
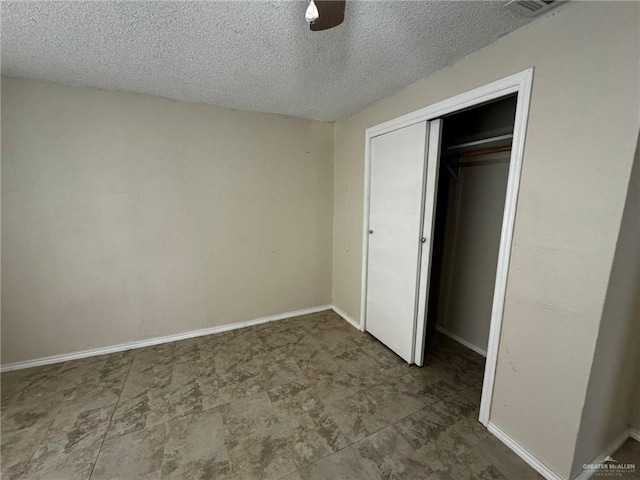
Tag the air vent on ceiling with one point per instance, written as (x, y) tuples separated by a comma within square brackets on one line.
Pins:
[(531, 8)]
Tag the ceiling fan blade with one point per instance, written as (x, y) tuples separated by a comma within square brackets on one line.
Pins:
[(331, 14)]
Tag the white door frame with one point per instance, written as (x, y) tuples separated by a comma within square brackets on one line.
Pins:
[(519, 83)]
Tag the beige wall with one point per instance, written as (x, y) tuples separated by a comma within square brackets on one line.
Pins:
[(616, 365), (126, 217), (471, 250), (634, 421), (635, 414), (579, 147)]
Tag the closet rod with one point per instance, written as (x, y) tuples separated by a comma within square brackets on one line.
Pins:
[(479, 152), (475, 163), (476, 153), (484, 141), (485, 151)]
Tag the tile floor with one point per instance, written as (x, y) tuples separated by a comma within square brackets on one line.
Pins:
[(629, 452), (304, 398)]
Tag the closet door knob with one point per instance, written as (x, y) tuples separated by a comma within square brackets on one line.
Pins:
[(370, 232), (422, 240)]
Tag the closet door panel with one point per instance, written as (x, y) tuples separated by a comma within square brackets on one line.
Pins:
[(430, 198), (395, 219)]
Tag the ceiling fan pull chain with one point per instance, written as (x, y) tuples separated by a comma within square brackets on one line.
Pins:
[(312, 13)]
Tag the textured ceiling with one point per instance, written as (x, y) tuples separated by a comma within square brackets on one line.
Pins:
[(255, 55)]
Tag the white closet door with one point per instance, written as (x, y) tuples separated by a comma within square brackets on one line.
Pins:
[(430, 196), (395, 221)]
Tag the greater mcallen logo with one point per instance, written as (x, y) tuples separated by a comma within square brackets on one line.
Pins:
[(610, 467)]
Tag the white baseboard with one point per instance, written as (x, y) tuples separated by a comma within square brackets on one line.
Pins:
[(611, 448), (461, 340), (544, 470), (346, 317), (635, 434), (156, 340), (523, 453)]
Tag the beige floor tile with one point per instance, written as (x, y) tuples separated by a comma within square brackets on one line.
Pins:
[(304, 398), (71, 445), (143, 411), (144, 376), (343, 465), (387, 455), (195, 448), (313, 434), (504, 460), (357, 416), (629, 452), (137, 455), (265, 455), (393, 400), (423, 426), (33, 410), (249, 416), (18, 447)]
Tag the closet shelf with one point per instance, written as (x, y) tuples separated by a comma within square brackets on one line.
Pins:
[(475, 157), (498, 141)]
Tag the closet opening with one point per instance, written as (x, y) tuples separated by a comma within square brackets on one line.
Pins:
[(440, 193), (475, 151)]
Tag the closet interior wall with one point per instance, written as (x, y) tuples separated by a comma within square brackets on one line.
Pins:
[(472, 187)]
